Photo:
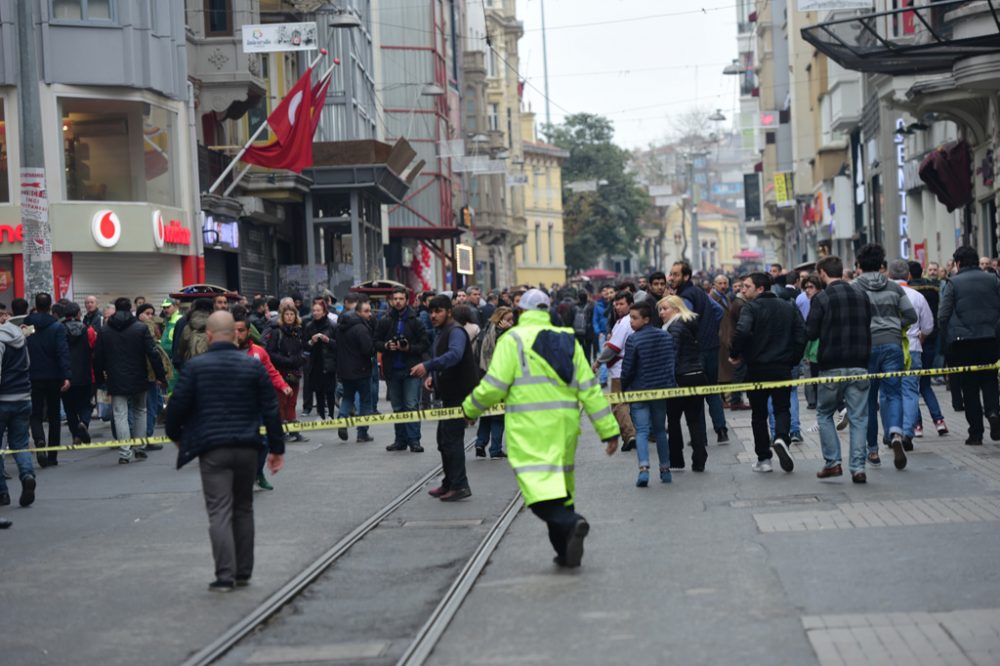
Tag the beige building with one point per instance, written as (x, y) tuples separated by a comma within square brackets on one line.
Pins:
[(718, 233), (542, 259)]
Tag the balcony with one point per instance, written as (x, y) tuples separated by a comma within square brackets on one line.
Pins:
[(921, 39)]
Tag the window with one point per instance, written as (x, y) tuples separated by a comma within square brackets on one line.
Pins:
[(218, 18), (491, 63), (82, 10), (494, 117), (119, 151), (4, 169)]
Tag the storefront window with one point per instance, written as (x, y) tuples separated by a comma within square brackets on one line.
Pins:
[(4, 169), (119, 151)]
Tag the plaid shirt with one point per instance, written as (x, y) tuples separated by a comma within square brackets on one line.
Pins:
[(840, 316)]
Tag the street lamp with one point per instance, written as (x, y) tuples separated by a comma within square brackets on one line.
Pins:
[(717, 117), (344, 18)]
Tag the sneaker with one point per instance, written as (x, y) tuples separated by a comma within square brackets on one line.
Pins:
[(642, 480), (859, 477), (416, 448), (899, 456), (456, 495), (796, 437), (498, 456), (307, 411), (918, 431), (874, 460), (762, 466), (974, 441), (27, 491), (139, 453), (574, 544), (342, 434), (942, 429), (480, 451), (840, 418), (124, 460), (364, 439), (784, 459), (828, 472), (263, 483), (221, 586), (297, 437), (908, 443), (665, 476), (723, 435), (994, 427)]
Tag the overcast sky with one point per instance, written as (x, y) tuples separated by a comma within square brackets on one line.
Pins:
[(639, 73)]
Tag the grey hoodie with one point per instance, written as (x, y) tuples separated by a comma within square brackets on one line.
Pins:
[(892, 311), (15, 384)]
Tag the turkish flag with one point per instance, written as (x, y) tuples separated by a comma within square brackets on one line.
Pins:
[(292, 124), (319, 98)]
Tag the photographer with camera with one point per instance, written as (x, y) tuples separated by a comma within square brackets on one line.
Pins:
[(402, 340)]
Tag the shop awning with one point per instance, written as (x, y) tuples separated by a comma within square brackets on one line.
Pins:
[(919, 39), (425, 233)]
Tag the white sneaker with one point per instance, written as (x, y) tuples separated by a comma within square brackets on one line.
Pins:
[(762, 466), (840, 418)]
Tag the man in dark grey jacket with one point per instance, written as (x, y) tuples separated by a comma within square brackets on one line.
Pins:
[(214, 415), (969, 317)]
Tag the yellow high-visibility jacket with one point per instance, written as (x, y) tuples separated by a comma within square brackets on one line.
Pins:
[(542, 418)]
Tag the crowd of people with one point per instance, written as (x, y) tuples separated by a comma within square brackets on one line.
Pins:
[(538, 351)]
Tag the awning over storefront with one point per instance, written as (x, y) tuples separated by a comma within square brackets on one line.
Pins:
[(425, 233), (919, 39)]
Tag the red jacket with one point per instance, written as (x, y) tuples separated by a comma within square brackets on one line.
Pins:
[(261, 355)]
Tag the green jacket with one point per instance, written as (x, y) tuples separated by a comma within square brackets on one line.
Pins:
[(167, 339), (542, 410)]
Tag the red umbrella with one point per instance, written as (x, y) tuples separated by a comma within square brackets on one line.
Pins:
[(599, 274), (748, 255)]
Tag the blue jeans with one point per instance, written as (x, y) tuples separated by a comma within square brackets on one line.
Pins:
[(927, 357), (710, 364), (885, 358), (404, 394), (14, 419), (490, 432), (375, 386), (356, 391), (828, 397), (647, 416)]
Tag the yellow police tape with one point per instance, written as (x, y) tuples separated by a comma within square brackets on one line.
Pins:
[(444, 413)]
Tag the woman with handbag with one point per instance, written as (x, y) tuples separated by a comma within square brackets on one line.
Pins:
[(287, 351)]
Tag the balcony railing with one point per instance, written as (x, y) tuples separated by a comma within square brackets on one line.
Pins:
[(919, 39)]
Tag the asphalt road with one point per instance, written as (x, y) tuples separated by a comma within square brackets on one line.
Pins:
[(110, 564)]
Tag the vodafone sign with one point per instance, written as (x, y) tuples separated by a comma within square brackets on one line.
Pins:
[(106, 228), (173, 233)]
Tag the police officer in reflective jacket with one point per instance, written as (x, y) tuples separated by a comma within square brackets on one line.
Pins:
[(541, 374)]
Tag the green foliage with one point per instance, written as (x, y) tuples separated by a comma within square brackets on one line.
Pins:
[(606, 221)]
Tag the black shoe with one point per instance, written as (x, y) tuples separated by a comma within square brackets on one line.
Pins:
[(153, 447), (84, 434), (994, 427), (27, 491), (795, 437), (629, 444), (811, 405), (5, 523), (907, 443), (139, 454), (723, 435), (242, 582), (859, 477), (974, 441), (416, 448), (498, 456), (362, 439), (784, 459), (574, 544), (306, 411), (342, 434), (221, 586), (396, 446), (456, 495), (480, 451), (43, 459), (297, 437), (5, 499), (899, 456)]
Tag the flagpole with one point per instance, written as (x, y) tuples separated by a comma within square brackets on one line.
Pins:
[(253, 137)]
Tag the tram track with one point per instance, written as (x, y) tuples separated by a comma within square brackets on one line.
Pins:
[(422, 645)]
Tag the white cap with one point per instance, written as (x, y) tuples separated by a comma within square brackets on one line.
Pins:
[(533, 299)]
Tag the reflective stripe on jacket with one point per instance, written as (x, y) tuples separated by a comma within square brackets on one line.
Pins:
[(542, 419)]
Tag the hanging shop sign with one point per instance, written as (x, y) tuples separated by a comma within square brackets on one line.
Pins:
[(783, 190), (272, 37), (106, 228), (904, 220)]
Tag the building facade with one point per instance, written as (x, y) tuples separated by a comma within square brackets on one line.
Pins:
[(543, 257)]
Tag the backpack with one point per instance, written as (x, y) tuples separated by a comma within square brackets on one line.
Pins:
[(195, 340), (477, 348), (580, 322)]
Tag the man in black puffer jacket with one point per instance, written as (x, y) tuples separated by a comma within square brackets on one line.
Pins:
[(123, 349), (355, 346), (215, 415), (770, 338), (50, 374)]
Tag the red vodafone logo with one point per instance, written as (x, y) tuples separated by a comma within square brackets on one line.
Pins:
[(158, 229), (106, 228)]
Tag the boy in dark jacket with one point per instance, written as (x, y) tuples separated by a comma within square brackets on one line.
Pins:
[(770, 338), (50, 374), (81, 340)]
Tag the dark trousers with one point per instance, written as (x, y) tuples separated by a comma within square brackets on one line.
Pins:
[(560, 519), (450, 434), (693, 410), (76, 403), (227, 476), (324, 387), (977, 352), (307, 393), (45, 397), (710, 364), (781, 401)]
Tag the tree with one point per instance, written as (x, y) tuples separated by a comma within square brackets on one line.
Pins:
[(605, 221)]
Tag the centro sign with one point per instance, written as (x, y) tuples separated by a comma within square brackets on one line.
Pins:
[(173, 233), (904, 220)]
